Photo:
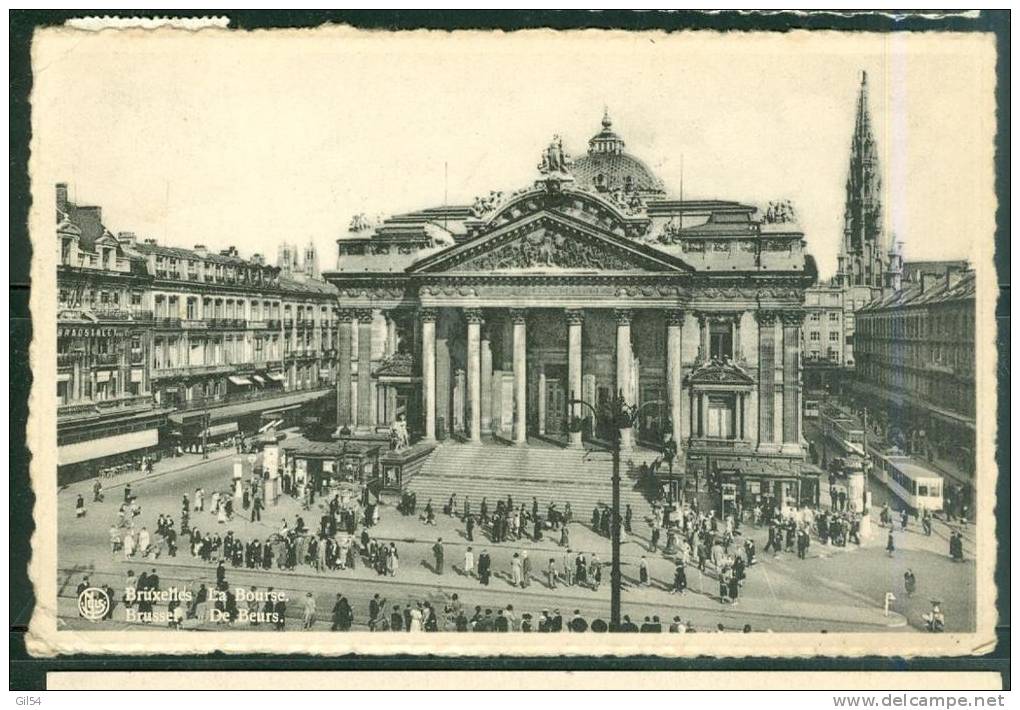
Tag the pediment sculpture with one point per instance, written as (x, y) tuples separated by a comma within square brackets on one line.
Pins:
[(544, 248)]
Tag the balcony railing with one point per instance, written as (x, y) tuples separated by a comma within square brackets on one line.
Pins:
[(104, 406), (165, 372), (273, 324), (64, 359), (163, 322), (107, 359), (229, 323)]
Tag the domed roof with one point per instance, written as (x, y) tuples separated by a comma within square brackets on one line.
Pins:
[(607, 168)]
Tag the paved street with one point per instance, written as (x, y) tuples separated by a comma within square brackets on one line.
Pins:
[(834, 589)]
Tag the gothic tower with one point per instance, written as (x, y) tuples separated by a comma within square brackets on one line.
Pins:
[(862, 254), (311, 261)]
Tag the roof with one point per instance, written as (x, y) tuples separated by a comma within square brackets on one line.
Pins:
[(180, 253), (312, 286), (942, 291), (610, 171)]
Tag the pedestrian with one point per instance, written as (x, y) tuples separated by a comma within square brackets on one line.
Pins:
[(470, 523), (564, 536), (909, 582), (551, 573), (437, 551), (525, 569), (890, 545), (903, 519), (515, 570), (256, 509), (643, 572), (484, 567), (79, 507), (97, 492), (679, 579), (309, 608)]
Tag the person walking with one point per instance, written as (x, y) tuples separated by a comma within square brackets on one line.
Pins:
[(643, 571), (437, 551), (551, 573), (909, 582), (256, 509), (469, 562), (679, 579), (515, 570), (890, 545), (525, 569), (484, 568), (309, 608)]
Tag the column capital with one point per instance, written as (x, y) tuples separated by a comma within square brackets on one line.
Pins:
[(363, 314), (575, 316), (345, 315), (624, 316), (792, 318), (474, 315), (430, 315), (765, 317), (519, 316), (675, 317)]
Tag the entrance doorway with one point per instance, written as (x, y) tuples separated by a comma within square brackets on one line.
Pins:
[(555, 407)]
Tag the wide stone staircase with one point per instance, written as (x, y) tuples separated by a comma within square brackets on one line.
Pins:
[(580, 477)]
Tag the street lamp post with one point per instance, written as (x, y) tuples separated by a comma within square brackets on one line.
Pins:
[(618, 415)]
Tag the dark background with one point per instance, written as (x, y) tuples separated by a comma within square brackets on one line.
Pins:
[(27, 673)]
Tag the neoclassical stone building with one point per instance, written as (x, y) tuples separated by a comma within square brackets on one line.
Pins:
[(484, 321)]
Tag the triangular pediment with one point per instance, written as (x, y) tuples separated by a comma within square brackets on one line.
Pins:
[(719, 372), (549, 242)]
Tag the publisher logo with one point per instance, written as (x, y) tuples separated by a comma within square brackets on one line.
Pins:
[(93, 603)]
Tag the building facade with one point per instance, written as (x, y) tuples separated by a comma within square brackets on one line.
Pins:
[(105, 409), (517, 316), (915, 373), (210, 343)]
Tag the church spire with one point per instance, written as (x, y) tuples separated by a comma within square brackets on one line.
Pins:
[(862, 252)]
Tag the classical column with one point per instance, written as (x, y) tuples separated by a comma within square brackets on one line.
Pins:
[(364, 367), (520, 382), (624, 371), (575, 319), (674, 375), (791, 378), (428, 369), (474, 384), (486, 380), (766, 378), (704, 347), (391, 334), (343, 377), (541, 400)]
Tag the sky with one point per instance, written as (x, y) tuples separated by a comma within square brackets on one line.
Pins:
[(250, 139)]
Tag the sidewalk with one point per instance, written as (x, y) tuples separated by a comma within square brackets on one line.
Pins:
[(422, 583), (160, 468)]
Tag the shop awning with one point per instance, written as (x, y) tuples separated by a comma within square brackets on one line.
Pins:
[(259, 379), (277, 376), (238, 380)]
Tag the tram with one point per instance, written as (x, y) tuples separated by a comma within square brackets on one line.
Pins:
[(914, 485)]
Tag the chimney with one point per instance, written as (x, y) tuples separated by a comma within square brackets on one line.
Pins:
[(126, 237), (150, 241), (62, 196), (927, 281), (201, 250)]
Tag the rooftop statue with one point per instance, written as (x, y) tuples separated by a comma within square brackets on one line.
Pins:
[(554, 159), (780, 212)]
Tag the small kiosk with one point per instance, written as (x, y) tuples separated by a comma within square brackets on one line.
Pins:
[(329, 464)]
